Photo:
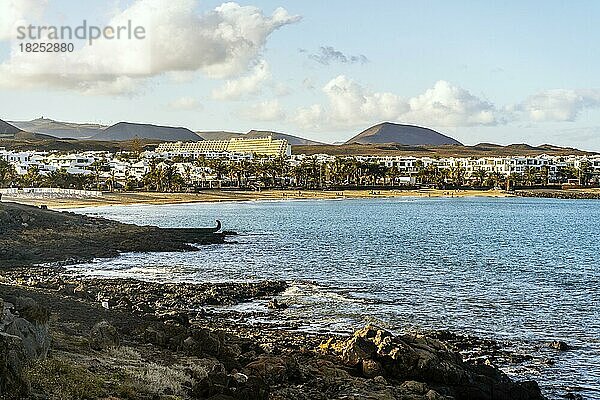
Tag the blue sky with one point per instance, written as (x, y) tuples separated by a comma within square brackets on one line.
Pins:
[(502, 72)]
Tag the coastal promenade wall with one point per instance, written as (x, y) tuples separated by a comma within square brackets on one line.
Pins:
[(49, 192)]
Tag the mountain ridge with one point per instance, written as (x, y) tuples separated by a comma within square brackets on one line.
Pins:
[(123, 130), (59, 129), (389, 132), (7, 128)]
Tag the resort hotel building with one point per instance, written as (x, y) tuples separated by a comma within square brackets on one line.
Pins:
[(266, 146)]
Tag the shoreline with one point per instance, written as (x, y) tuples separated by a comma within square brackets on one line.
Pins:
[(217, 196), (134, 330), (130, 339)]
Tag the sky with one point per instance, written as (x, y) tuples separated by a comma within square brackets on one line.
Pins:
[(501, 72)]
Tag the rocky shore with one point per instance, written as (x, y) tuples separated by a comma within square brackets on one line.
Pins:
[(63, 337), (559, 194), (30, 235), (69, 337)]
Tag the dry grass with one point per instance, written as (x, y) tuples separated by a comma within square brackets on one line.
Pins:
[(63, 380), (160, 379)]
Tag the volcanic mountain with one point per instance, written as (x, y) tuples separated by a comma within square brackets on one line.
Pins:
[(63, 130), (388, 132), (8, 129), (129, 130)]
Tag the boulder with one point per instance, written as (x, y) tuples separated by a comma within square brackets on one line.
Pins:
[(559, 345), (204, 341), (32, 311), (103, 335), (275, 305), (12, 361), (274, 369), (35, 337), (371, 368), (373, 351), (30, 323), (217, 384)]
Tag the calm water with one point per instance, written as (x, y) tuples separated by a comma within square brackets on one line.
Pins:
[(524, 270)]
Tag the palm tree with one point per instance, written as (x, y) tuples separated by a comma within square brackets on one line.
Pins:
[(529, 175), (336, 171), (457, 175), (62, 179), (393, 173), (495, 179), (219, 167), (32, 178), (545, 174), (584, 173), (428, 175), (480, 175), (97, 167), (8, 175)]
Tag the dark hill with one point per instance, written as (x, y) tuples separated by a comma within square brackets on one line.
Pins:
[(129, 130), (8, 129), (388, 132), (58, 129), (478, 150)]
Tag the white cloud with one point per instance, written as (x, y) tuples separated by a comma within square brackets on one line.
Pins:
[(246, 85), (350, 105), (185, 103), (221, 43), (268, 110), (448, 106), (15, 13), (281, 89), (309, 83), (328, 54), (559, 104), (311, 117)]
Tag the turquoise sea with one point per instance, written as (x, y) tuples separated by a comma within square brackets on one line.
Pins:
[(524, 271)]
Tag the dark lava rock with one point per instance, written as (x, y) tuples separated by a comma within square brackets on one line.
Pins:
[(26, 237), (28, 321), (559, 345), (422, 359), (12, 361), (218, 384), (103, 335), (274, 369), (275, 305), (31, 310)]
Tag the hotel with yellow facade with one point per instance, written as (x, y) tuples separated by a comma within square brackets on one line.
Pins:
[(266, 146)]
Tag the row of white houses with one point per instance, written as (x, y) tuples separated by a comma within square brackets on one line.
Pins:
[(121, 168)]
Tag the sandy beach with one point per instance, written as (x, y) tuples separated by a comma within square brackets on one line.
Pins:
[(127, 198)]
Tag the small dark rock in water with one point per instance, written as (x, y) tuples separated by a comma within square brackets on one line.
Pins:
[(559, 345), (275, 305), (103, 335), (573, 396)]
